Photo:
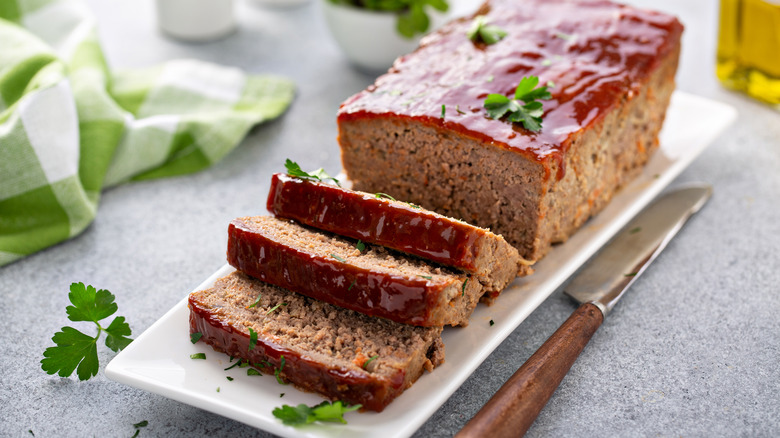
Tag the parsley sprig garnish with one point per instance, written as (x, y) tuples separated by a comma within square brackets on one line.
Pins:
[(325, 412), (524, 108), (480, 30), (76, 351), (294, 169)]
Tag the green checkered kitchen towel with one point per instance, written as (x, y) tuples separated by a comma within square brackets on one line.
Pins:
[(70, 127)]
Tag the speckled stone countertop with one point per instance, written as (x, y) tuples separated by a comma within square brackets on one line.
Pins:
[(692, 350)]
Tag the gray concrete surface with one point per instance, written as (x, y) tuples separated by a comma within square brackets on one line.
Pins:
[(692, 351)]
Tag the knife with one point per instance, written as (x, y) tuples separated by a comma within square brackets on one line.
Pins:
[(597, 287)]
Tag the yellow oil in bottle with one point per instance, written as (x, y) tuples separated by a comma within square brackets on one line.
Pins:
[(749, 48)]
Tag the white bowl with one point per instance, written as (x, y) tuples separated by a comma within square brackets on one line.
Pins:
[(369, 38)]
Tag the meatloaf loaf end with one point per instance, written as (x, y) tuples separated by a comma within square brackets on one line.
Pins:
[(421, 134), (316, 346), (331, 268), (405, 227)]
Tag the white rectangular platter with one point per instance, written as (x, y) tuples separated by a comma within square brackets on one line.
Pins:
[(159, 359)]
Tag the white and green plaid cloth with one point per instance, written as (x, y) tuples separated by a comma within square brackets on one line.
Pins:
[(70, 127)]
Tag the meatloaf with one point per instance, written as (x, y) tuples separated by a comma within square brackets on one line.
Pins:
[(420, 132), (369, 279), (405, 227), (338, 353)]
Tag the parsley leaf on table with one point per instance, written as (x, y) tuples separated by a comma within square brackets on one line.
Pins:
[(294, 169), (529, 112), (302, 414), (480, 30), (75, 351)]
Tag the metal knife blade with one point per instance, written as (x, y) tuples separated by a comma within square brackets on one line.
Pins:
[(607, 276), (598, 286)]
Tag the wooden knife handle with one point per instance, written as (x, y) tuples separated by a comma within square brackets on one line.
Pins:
[(516, 405)]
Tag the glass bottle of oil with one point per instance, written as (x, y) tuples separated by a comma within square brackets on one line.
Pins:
[(749, 48)]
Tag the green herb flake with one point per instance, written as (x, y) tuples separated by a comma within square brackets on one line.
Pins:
[(457, 110), (31, 432), (490, 78), (198, 356), (480, 30), (281, 395), (75, 351), (230, 379), (293, 169), (275, 307), (141, 424), (384, 195), (633, 274), (352, 284), (323, 412), (217, 388), (237, 364), (635, 230), (252, 339), (137, 431), (491, 323), (360, 246), (463, 288), (370, 359), (546, 62), (427, 277), (550, 84), (278, 371), (443, 111), (524, 108), (253, 372), (337, 258), (564, 36), (195, 337), (256, 302)]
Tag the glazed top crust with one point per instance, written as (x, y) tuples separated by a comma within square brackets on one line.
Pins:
[(594, 54)]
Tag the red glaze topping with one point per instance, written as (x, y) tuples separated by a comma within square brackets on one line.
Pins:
[(338, 383), (364, 216), (403, 299), (596, 53)]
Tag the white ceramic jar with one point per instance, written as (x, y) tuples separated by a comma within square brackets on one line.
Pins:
[(196, 20)]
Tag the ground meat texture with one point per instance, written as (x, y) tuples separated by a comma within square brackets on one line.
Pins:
[(610, 69), (324, 347), (373, 218), (331, 268)]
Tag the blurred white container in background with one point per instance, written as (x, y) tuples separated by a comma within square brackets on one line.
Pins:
[(196, 20), (280, 3)]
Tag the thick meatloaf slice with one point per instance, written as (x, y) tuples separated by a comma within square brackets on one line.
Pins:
[(331, 268), (421, 134), (405, 227), (316, 346)]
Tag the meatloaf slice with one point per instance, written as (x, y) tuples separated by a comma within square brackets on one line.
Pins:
[(421, 133), (398, 225), (316, 346), (330, 268)]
